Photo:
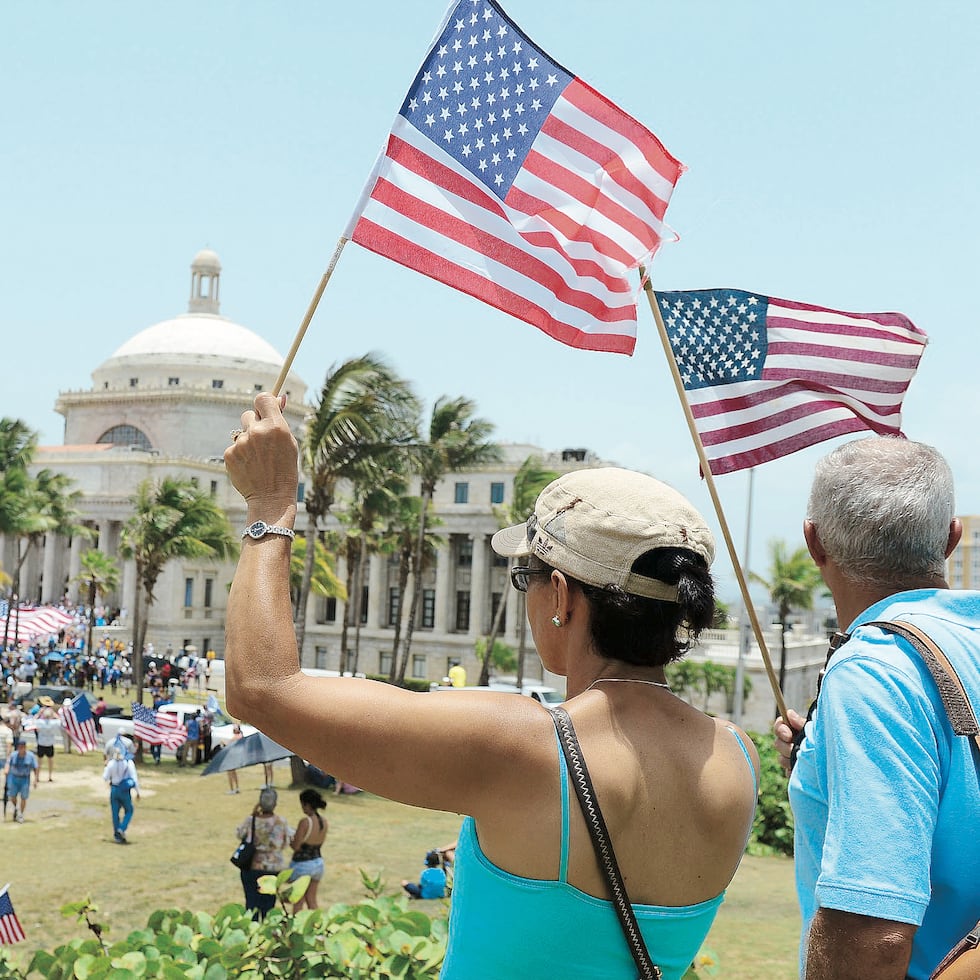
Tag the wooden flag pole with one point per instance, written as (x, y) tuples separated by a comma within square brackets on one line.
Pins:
[(311, 309), (710, 481)]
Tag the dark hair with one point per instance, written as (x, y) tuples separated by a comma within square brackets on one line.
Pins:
[(651, 632), (312, 798), (432, 859)]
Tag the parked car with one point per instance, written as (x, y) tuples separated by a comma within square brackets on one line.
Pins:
[(58, 693), (222, 726), (548, 696)]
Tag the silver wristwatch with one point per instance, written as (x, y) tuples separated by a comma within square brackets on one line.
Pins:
[(259, 529)]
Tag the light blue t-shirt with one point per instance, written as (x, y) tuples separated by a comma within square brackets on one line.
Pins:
[(554, 929), (886, 799), (432, 883)]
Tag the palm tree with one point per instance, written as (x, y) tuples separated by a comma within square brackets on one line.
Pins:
[(50, 506), (172, 519), (793, 578), (457, 441), (401, 539), (363, 408), (529, 480), (100, 576), (324, 581)]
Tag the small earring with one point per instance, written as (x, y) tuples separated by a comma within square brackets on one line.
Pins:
[(556, 619)]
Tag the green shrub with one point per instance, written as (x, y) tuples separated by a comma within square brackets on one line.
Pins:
[(379, 937), (772, 830)]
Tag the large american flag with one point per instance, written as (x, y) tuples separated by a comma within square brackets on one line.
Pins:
[(10, 927), (765, 377), (79, 724), (510, 179), (158, 727)]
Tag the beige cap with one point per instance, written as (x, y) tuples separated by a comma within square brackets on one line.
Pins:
[(593, 525)]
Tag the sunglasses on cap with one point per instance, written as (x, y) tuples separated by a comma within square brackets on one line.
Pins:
[(520, 574)]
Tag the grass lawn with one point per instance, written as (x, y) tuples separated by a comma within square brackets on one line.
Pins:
[(183, 833)]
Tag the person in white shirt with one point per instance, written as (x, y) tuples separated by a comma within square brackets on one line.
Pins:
[(120, 774), (47, 727)]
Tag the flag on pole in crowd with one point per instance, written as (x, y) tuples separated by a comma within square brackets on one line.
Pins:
[(11, 930), (79, 724), (510, 179), (158, 727), (765, 377)]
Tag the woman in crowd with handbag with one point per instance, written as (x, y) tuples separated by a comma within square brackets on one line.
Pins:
[(311, 832), (268, 833), (120, 774), (615, 567)]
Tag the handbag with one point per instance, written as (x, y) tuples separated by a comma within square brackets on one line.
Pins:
[(605, 854), (243, 854), (962, 962)]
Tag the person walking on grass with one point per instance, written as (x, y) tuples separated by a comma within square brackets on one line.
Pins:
[(47, 727), (120, 774), (18, 771)]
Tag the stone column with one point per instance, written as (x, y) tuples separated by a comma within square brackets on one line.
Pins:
[(50, 589), (513, 609), (377, 599), (128, 602), (74, 566), (478, 586), (443, 585)]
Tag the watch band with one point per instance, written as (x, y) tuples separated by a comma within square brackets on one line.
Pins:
[(259, 529)]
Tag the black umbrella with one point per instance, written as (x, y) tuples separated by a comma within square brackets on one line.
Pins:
[(247, 751)]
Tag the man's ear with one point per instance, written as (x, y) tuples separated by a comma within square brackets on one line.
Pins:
[(813, 544), (955, 533)]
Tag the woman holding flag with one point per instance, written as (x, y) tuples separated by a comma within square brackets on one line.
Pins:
[(614, 563)]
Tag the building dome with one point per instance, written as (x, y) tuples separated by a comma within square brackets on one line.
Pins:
[(206, 261)]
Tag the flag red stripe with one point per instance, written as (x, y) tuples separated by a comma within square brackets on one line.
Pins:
[(832, 381), (849, 355), (613, 164), (378, 239), (432, 171), (776, 322), (783, 447), (480, 241), (590, 197), (595, 104), (885, 319)]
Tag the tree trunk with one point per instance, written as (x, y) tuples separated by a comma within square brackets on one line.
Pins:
[(522, 639), (137, 661), (349, 607), (417, 592), (492, 639), (304, 588), (91, 617), (362, 560)]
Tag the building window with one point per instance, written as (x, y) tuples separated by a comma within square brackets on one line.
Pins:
[(384, 663), (217, 383), (496, 493), (258, 387), (495, 599), (463, 611), (133, 382), (208, 592), (500, 561), (573, 455), (214, 488), (462, 493), (206, 646), (330, 611), (428, 608), (124, 435), (194, 481), (188, 593), (393, 607), (364, 605), (301, 493), (418, 666), (320, 658), (173, 382), (187, 642), (464, 553)]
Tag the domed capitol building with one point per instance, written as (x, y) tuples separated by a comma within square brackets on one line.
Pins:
[(163, 404)]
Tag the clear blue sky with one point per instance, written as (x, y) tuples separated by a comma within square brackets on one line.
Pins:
[(832, 153)]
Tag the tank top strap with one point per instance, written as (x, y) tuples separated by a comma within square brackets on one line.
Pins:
[(748, 758), (563, 777)]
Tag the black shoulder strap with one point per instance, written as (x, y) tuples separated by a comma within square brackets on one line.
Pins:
[(585, 791)]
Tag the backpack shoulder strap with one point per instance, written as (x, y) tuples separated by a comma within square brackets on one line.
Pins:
[(955, 700)]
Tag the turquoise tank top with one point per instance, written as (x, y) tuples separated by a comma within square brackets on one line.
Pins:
[(504, 926)]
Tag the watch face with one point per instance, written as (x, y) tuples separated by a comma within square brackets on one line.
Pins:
[(257, 529)]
